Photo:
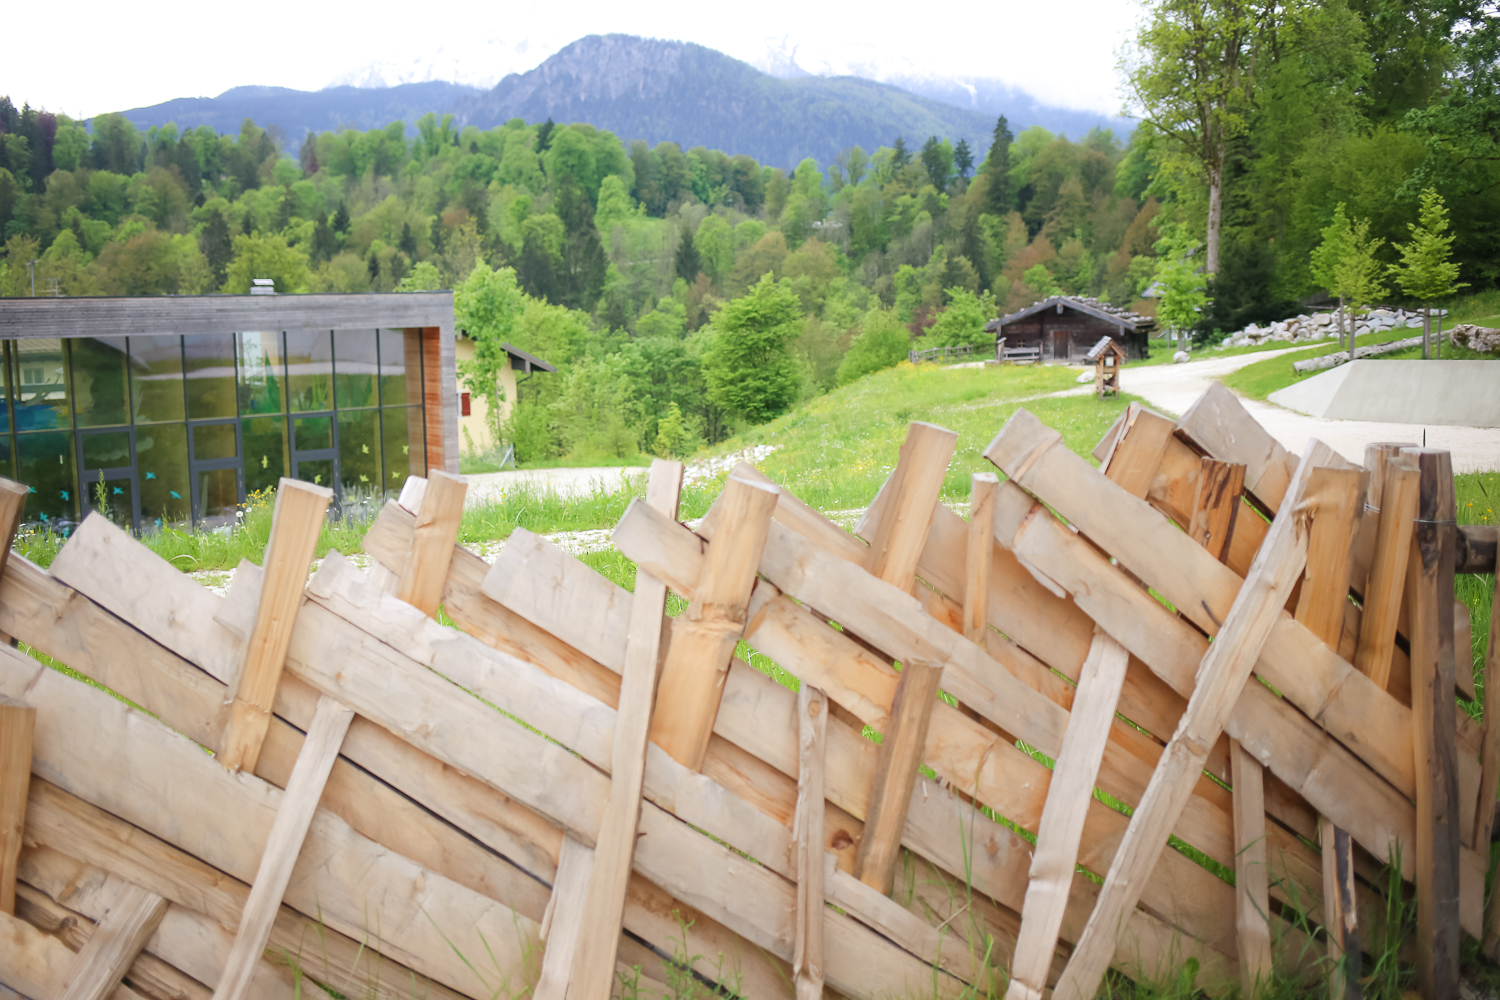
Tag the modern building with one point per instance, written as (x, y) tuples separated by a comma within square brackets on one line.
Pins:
[(172, 410), (1066, 327)]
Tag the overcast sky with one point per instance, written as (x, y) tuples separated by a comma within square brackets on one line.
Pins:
[(119, 56)]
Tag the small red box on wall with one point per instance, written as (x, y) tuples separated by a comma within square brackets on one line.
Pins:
[(463, 404)]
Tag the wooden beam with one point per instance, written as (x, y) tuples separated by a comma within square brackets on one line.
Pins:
[(1068, 797), (1221, 678), (1134, 456), (114, 945), (33, 964), (1252, 893), (324, 737), (1477, 544), (295, 525), (704, 637), (812, 737), (438, 520), (12, 509), (977, 562), (1387, 574), (17, 724), (1429, 584), (914, 487), (1335, 498), (1216, 507), (901, 750), (567, 914), (1484, 812), (598, 936)]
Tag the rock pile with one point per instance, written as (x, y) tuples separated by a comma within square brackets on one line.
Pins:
[(1475, 338), (1321, 325)]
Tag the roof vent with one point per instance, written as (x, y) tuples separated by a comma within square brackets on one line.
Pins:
[(262, 286)]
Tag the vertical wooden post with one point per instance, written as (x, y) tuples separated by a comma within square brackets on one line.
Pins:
[(807, 952), (1386, 581), (12, 506), (914, 487), (564, 922), (1069, 794), (432, 541), (17, 724), (303, 790), (590, 973), (1336, 498), (901, 748), (1429, 582), (704, 637), (982, 494), (122, 932), (296, 523)]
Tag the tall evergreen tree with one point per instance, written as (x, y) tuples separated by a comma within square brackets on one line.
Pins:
[(408, 242), (689, 262), (217, 245), (935, 163), (544, 135), (997, 169), (1426, 271), (963, 158), (900, 155)]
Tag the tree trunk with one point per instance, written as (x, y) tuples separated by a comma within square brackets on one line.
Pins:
[(1440, 336), (1426, 333), (1215, 214), (1341, 330)]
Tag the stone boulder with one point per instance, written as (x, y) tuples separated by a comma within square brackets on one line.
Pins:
[(1475, 338), (1180, 357)]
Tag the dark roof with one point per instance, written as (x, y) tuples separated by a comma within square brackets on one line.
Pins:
[(1092, 306), (526, 363)]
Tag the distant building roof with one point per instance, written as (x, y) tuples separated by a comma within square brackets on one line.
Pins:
[(1102, 310), (525, 363)]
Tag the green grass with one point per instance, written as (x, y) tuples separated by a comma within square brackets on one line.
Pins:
[(1163, 355), (471, 465), (1259, 380)]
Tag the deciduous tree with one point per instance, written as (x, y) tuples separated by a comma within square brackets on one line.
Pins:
[(747, 367), (1426, 271)]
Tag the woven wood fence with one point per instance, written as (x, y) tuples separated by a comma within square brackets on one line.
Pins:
[(312, 782)]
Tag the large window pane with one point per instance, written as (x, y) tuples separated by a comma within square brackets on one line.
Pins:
[(41, 385), (265, 452), (106, 450), (114, 498), (46, 465), (359, 462), (312, 433), (156, 381), (101, 393), (218, 497), (401, 441), (355, 368), (262, 373), (161, 457), (210, 375), (5, 388), (211, 441), (7, 464), (400, 368), (309, 358)]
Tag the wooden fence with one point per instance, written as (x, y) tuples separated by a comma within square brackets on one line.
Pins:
[(314, 781)]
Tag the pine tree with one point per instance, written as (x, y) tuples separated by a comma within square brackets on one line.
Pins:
[(1326, 257), (544, 135), (324, 245), (900, 156), (217, 245), (963, 158), (1426, 272), (689, 262), (997, 168), (341, 221), (1357, 275), (408, 243)]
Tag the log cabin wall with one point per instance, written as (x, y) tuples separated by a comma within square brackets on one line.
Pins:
[(1067, 336)]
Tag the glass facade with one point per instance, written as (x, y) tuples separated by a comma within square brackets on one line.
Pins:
[(171, 430)]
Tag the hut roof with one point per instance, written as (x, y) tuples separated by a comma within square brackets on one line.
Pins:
[(1106, 343), (1101, 310)]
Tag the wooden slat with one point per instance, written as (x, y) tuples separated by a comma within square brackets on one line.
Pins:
[(33, 964), (1429, 586), (113, 947), (17, 723), (704, 636), (284, 845), (1068, 797), (977, 562), (1137, 453), (1463, 657), (296, 522), (1387, 575), (1221, 426), (1484, 812), (604, 904), (1221, 678), (438, 520), (567, 914), (1216, 507), (1477, 544), (1252, 893), (913, 490), (1335, 500), (812, 739), (901, 751), (12, 507)]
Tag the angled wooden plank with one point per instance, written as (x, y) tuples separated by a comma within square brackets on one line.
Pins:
[(912, 492), (1489, 782), (812, 739), (1463, 653), (17, 724), (567, 914), (977, 560), (1429, 585), (438, 519), (1377, 457), (295, 524), (1106, 445), (901, 750), (1221, 678), (12, 508), (1216, 506), (1138, 451), (34, 964), (604, 904), (704, 636), (1068, 797), (1219, 425), (284, 845), (1252, 893), (1387, 574), (1340, 912), (113, 947)]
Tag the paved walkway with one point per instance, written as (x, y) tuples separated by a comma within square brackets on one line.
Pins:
[(1173, 388)]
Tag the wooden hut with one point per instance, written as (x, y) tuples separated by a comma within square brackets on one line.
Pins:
[(1106, 356), (1065, 327)]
